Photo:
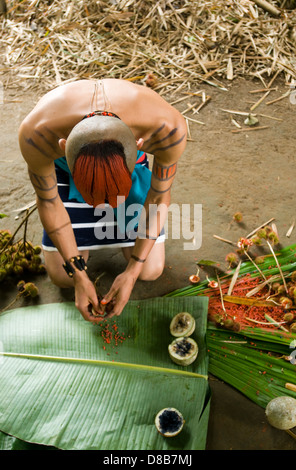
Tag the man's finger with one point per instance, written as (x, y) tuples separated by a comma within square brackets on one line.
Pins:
[(87, 314), (108, 297), (97, 310), (117, 308)]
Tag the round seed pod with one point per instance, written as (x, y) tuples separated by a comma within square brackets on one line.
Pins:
[(36, 259), (183, 324), (281, 412), (183, 351), (31, 289), (286, 302), (20, 285), (236, 326), (41, 269), (33, 267), (289, 317), (18, 270), (8, 268), (281, 290), (275, 286), (228, 323), (169, 422), (24, 263)]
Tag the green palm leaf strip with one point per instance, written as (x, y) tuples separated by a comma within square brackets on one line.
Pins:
[(105, 363), (259, 370)]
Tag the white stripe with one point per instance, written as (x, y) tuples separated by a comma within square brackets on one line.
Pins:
[(63, 184), (81, 205), (78, 204), (94, 224)]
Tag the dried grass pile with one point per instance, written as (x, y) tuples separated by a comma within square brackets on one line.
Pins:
[(182, 43)]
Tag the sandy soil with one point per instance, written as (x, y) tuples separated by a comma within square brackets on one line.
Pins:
[(252, 172)]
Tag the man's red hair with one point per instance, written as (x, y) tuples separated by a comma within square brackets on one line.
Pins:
[(100, 173)]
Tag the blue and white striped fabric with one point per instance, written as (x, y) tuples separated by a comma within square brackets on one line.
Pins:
[(96, 228)]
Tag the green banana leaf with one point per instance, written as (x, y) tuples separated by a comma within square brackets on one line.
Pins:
[(63, 387)]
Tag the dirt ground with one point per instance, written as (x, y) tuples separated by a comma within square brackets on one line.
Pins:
[(251, 171)]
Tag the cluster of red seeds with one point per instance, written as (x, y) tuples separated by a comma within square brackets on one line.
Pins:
[(110, 334)]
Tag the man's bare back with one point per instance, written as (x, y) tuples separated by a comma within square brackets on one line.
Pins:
[(61, 109)]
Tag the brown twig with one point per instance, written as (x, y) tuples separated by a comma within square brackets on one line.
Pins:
[(278, 265), (24, 221)]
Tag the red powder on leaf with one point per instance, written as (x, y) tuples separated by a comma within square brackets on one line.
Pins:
[(111, 335)]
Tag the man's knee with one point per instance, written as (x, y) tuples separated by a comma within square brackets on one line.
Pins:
[(54, 267), (151, 273), (59, 278)]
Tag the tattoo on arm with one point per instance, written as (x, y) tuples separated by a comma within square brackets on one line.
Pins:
[(44, 184), (155, 134), (160, 191), (161, 176), (47, 145), (139, 260), (48, 199), (47, 141), (156, 142), (153, 145), (163, 172), (58, 229), (42, 151), (173, 144)]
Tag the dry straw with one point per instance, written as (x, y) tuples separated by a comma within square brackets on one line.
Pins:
[(183, 43)]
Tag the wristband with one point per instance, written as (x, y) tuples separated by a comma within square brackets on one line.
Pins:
[(78, 262)]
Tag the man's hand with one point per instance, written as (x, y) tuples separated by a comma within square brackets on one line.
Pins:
[(119, 294), (86, 299)]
